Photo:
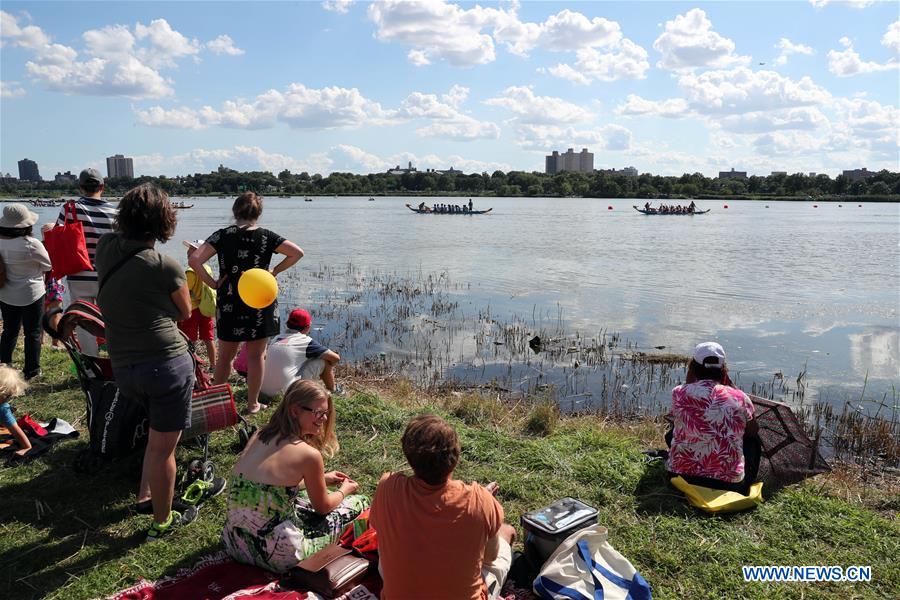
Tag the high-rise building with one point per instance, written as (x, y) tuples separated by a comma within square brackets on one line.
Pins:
[(849, 175), (583, 162), (66, 177), (119, 166), (28, 170), (732, 174)]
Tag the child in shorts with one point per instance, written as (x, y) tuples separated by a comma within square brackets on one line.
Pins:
[(12, 384), (198, 326), (53, 299)]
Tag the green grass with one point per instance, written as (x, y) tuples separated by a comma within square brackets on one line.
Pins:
[(64, 535)]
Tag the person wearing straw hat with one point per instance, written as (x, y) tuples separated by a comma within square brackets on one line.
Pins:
[(199, 327), (25, 261)]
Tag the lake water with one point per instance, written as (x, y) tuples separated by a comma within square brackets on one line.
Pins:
[(784, 287)]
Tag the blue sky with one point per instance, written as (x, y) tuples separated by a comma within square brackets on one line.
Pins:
[(668, 87)]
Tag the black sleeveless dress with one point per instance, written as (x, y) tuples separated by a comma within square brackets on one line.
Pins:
[(240, 249)]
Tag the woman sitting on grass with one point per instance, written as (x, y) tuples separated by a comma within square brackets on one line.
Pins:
[(713, 441), (279, 508)]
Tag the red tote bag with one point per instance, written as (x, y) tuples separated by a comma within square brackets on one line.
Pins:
[(66, 247)]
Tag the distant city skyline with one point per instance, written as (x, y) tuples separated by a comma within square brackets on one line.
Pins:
[(666, 87)]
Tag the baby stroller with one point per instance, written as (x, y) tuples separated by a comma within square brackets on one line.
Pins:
[(117, 427)]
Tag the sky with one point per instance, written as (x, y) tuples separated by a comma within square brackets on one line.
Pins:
[(343, 85)]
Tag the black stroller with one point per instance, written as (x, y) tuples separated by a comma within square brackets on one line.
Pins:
[(119, 428)]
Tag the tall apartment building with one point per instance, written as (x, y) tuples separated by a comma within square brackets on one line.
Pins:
[(66, 177), (583, 162), (119, 166), (851, 175), (28, 170), (732, 174)]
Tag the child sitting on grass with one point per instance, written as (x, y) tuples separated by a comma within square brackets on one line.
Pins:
[(12, 384)]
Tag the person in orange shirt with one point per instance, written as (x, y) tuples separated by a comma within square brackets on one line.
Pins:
[(438, 537)]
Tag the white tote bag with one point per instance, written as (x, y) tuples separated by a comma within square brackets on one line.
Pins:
[(586, 567)]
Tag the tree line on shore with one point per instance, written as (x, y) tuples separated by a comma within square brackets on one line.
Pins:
[(881, 185)]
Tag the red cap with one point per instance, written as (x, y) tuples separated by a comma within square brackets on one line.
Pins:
[(299, 319)]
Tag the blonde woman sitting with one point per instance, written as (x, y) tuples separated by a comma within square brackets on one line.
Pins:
[(280, 509)]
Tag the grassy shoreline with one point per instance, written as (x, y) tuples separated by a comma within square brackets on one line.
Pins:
[(65, 535)]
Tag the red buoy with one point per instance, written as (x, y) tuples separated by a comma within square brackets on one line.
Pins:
[(609, 208), (726, 206), (815, 206), (860, 205)]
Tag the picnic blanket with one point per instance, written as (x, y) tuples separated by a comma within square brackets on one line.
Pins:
[(218, 577), (56, 430)]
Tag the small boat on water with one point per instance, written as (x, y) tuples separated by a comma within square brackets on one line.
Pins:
[(371, 199), (307, 199), (181, 205), (653, 211), (429, 211)]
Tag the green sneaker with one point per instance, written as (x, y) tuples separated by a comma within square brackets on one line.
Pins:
[(175, 520), (200, 491)]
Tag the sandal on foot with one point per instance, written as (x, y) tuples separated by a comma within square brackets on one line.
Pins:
[(259, 407)]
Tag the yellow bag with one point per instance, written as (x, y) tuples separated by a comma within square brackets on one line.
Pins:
[(716, 501)]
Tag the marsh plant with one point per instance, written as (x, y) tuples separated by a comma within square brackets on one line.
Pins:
[(423, 327)]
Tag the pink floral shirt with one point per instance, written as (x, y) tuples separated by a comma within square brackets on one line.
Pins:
[(708, 436)]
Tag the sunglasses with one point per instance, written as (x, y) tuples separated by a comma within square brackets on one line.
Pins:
[(317, 414)]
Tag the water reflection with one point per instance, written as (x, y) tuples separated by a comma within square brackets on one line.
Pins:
[(876, 353)]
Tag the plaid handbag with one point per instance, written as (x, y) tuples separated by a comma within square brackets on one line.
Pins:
[(212, 409)]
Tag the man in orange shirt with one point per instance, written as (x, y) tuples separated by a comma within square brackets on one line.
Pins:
[(438, 537)]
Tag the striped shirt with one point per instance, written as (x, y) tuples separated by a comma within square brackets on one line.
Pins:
[(97, 218)]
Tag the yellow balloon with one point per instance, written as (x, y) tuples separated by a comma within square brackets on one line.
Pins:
[(257, 288)]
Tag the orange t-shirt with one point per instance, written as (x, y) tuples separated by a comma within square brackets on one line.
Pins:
[(431, 538)]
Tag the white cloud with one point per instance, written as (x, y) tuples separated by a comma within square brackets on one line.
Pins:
[(541, 137), (805, 118), (245, 158), (338, 6), (337, 158), (787, 48), (690, 42), (437, 30), (634, 105), (463, 128), (434, 30), (118, 61), (301, 107), (29, 36), (533, 109), (178, 118), (616, 137), (847, 63), (224, 45), (11, 89), (165, 44), (850, 3), (456, 96), (742, 90), (891, 38), (871, 122), (569, 31), (626, 60)]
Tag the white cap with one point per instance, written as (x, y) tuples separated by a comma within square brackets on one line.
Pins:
[(710, 354)]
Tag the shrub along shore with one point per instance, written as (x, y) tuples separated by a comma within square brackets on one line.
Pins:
[(66, 535)]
